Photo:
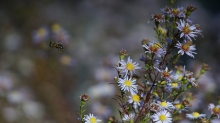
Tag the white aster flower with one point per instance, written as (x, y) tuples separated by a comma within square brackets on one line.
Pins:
[(177, 12), (135, 99), (155, 48), (91, 119), (128, 85), (214, 109), (173, 85), (195, 115), (186, 30), (165, 105), (128, 67), (165, 74), (129, 117), (162, 116), (186, 48)]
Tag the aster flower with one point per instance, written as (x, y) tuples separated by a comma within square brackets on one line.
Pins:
[(195, 115), (91, 119), (165, 74), (40, 35), (158, 17), (173, 85), (162, 116), (177, 12), (155, 48), (128, 67), (187, 31), (186, 48), (128, 84), (165, 105), (214, 109), (135, 99), (129, 117), (189, 77)]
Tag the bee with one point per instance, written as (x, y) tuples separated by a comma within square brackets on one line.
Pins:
[(56, 45)]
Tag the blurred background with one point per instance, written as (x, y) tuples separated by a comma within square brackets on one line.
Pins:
[(39, 84)]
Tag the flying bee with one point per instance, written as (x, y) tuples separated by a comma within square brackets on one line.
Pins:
[(56, 45)]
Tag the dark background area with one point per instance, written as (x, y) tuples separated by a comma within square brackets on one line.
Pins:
[(39, 84)]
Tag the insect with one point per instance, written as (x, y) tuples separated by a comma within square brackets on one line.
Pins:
[(56, 45)]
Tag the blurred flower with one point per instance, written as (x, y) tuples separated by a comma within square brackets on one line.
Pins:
[(33, 109), (15, 96), (91, 119), (101, 110), (162, 116), (59, 34), (177, 12), (67, 60), (6, 82), (42, 34), (10, 114), (84, 97), (101, 90), (195, 115)]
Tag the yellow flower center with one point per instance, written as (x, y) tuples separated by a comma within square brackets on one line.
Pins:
[(216, 110), (180, 77), (163, 104), (130, 66), (41, 32), (186, 30), (93, 120), (127, 83), (185, 47), (175, 11), (195, 114), (135, 98), (162, 117), (174, 84), (178, 105)]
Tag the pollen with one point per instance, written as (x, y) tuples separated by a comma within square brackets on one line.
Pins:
[(130, 66), (93, 120), (127, 83), (135, 98), (162, 117), (195, 114), (163, 104)]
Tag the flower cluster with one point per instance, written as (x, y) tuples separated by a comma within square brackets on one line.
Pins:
[(158, 95)]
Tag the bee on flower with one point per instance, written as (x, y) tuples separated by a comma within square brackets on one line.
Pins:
[(187, 31), (155, 48), (187, 48), (128, 67)]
